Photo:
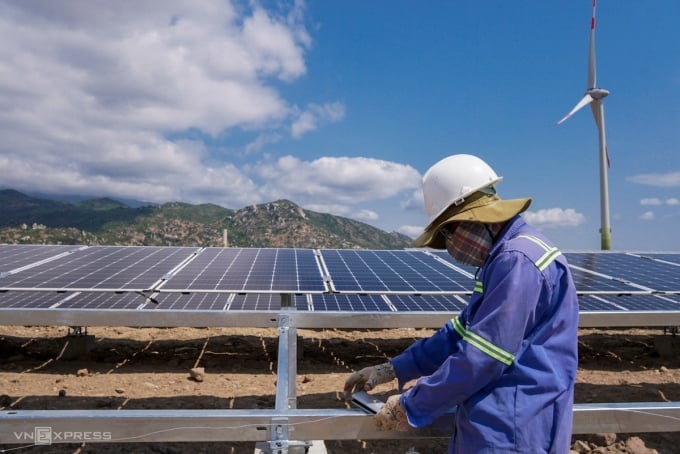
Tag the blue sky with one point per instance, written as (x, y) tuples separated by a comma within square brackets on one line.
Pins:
[(341, 106)]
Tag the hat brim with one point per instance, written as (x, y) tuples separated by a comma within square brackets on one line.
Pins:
[(487, 210)]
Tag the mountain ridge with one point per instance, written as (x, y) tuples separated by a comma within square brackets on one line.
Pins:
[(107, 221)]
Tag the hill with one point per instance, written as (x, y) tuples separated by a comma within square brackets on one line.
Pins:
[(104, 221)]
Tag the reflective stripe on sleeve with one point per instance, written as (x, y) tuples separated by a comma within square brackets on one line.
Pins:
[(551, 253), (482, 344), (479, 287)]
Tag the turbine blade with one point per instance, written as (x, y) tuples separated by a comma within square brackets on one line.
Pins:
[(598, 111), (587, 99), (595, 108), (606, 153), (592, 70)]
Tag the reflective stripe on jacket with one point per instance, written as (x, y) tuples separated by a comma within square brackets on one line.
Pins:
[(508, 362)]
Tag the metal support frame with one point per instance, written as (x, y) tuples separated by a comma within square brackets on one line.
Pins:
[(270, 319), (135, 426), (284, 425), (286, 395)]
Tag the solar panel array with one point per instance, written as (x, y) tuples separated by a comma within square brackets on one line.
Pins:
[(147, 278), (368, 271)]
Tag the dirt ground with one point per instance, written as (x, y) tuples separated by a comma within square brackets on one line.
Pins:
[(148, 368)]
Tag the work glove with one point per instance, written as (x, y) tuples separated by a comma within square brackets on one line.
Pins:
[(392, 415), (368, 378)]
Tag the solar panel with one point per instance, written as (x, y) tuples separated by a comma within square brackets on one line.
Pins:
[(444, 255), (256, 302), (348, 303), (255, 270), (391, 271), (189, 301), (30, 300), (428, 303), (97, 300), (588, 282), (636, 270), (102, 267), (177, 279), (664, 257), (15, 256), (615, 303)]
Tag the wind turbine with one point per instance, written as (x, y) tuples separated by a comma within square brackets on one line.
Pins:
[(594, 97)]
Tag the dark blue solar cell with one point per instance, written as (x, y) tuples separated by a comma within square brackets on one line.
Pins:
[(391, 271), (444, 255), (618, 303), (201, 301), (664, 257), (16, 256), (102, 267), (97, 300), (30, 300), (429, 303), (588, 282), (349, 303), (256, 302), (189, 301), (639, 271), (250, 269)]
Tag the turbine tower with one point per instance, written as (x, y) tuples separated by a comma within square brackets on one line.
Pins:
[(594, 97)]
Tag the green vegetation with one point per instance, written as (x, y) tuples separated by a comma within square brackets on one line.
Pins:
[(30, 220)]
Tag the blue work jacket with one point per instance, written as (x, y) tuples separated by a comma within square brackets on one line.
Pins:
[(507, 364)]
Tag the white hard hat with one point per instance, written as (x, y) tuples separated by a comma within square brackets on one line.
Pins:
[(460, 188), (452, 179)]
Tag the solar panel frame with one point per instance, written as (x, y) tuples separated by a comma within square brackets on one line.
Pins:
[(587, 282), (665, 257), (256, 302), (30, 300), (16, 256), (626, 303), (248, 270), (105, 268), (391, 271), (328, 302), (103, 300), (604, 297), (637, 271), (464, 269), (429, 303)]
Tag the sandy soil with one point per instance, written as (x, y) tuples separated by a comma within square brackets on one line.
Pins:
[(131, 368)]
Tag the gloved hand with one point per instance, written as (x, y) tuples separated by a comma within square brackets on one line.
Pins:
[(368, 378), (392, 416)]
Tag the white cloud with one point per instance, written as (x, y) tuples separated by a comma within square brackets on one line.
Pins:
[(657, 202), (91, 91), (335, 180), (411, 231), (261, 141), (647, 216), (310, 119), (365, 215), (669, 179), (554, 217), (414, 201), (338, 210), (333, 185)]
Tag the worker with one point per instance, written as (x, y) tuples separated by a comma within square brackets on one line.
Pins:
[(506, 365)]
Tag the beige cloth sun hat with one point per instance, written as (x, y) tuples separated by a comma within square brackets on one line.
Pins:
[(479, 207)]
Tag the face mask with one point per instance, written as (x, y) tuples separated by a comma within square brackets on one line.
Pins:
[(469, 243)]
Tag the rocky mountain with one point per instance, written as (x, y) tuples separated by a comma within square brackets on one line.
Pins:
[(34, 220)]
